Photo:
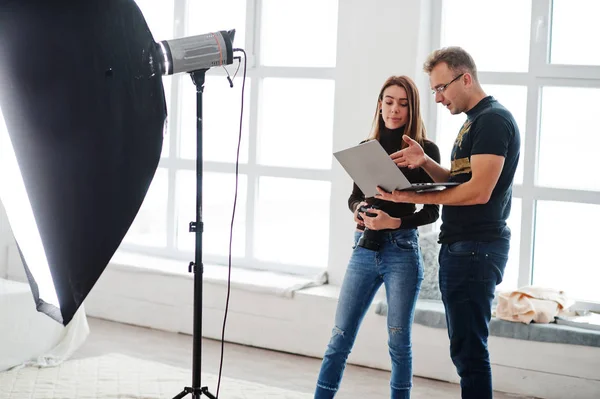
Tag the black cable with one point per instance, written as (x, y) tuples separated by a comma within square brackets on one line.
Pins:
[(229, 79), (237, 167), (239, 64)]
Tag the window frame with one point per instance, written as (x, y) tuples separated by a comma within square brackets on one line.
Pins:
[(172, 163)]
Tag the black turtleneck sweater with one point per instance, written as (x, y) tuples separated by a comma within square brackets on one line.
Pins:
[(391, 141)]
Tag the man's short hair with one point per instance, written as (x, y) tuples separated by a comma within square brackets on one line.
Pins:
[(457, 59)]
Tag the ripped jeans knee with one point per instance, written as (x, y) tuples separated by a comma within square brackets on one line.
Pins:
[(340, 342), (401, 355)]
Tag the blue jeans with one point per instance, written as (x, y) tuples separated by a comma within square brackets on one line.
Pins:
[(398, 265), (469, 273)]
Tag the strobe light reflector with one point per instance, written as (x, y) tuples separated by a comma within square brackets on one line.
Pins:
[(83, 118)]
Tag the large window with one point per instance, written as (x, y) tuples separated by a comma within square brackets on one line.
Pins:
[(282, 220), (545, 68)]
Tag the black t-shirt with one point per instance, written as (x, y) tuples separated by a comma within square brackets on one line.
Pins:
[(391, 141), (489, 129)]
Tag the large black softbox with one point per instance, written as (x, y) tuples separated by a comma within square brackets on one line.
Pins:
[(81, 129)]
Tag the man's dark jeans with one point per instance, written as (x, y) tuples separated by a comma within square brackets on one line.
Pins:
[(469, 273)]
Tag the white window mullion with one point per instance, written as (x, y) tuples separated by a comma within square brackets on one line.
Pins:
[(173, 136), (260, 170), (532, 131), (253, 24), (256, 31), (296, 72), (568, 82), (566, 195), (436, 39), (529, 158), (541, 19), (574, 72), (538, 54), (294, 173), (252, 29), (250, 214), (174, 127), (526, 244), (504, 78), (180, 18), (251, 199), (171, 208)]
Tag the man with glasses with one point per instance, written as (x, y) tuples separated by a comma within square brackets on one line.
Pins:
[(474, 235)]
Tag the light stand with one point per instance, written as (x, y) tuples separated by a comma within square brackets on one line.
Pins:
[(196, 55), (196, 267)]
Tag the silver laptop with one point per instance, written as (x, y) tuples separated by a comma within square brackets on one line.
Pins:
[(369, 165)]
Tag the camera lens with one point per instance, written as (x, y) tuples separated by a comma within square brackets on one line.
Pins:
[(370, 239)]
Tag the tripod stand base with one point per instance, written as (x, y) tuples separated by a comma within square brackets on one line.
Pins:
[(196, 393)]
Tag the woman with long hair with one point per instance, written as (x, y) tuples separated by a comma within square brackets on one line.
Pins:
[(386, 249)]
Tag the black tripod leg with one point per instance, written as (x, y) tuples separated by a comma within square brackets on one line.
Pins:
[(196, 393), (208, 394), (183, 393)]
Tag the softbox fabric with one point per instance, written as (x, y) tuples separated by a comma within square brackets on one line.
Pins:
[(82, 99)]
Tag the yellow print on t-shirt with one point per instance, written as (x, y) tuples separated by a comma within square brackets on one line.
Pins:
[(460, 166), (463, 130)]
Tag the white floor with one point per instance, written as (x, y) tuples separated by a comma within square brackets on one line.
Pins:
[(277, 369)]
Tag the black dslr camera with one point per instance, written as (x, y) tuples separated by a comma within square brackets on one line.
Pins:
[(370, 238)]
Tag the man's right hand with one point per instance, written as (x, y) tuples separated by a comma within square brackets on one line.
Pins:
[(356, 219), (412, 156)]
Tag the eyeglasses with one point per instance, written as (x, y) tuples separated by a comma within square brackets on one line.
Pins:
[(442, 88)]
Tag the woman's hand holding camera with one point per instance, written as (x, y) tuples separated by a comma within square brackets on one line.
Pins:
[(356, 218), (380, 221)]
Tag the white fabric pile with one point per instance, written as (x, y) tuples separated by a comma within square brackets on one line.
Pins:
[(537, 304)]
